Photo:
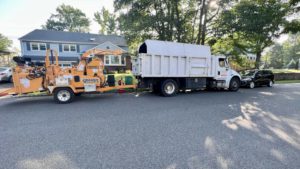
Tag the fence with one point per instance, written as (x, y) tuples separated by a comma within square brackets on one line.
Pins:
[(287, 76)]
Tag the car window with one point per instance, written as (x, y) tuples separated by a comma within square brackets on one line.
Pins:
[(2, 69), (249, 73), (259, 73)]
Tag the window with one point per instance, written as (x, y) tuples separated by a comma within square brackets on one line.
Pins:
[(116, 60), (222, 62), (69, 48), (106, 60), (38, 46), (42, 46), (73, 48)]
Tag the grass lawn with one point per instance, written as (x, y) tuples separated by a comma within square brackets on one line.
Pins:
[(286, 81), (285, 71)]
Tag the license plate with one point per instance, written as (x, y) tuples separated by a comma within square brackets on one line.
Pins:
[(90, 87)]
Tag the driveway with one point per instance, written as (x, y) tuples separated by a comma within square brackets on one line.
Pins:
[(258, 128)]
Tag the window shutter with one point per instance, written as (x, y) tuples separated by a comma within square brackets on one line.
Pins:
[(78, 50), (48, 45), (28, 46), (60, 47)]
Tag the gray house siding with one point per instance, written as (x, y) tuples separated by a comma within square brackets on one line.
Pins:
[(55, 40)]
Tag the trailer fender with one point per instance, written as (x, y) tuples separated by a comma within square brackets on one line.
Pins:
[(52, 88)]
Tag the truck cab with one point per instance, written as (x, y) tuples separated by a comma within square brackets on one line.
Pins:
[(224, 74)]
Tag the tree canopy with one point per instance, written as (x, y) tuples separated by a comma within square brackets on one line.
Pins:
[(253, 24), (107, 21), (68, 18), (5, 43), (281, 54), (174, 20), (231, 27)]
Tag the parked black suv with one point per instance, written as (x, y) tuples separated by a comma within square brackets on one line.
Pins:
[(253, 78)]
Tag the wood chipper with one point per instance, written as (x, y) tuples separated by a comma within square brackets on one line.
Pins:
[(65, 83)]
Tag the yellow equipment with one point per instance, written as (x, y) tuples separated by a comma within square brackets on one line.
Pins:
[(64, 84)]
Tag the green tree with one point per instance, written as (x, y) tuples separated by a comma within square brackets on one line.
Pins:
[(208, 12), (254, 23), (172, 20), (5, 43), (280, 55), (68, 18), (107, 21)]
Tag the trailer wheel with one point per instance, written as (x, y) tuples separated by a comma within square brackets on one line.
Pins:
[(63, 95), (169, 88), (234, 84)]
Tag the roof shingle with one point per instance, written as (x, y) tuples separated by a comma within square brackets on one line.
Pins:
[(76, 37)]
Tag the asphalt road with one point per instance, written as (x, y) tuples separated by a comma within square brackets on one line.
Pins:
[(257, 128)]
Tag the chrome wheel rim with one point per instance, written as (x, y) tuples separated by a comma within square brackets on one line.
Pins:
[(252, 85), (270, 83), (63, 95), (234, 85), (169, 88)]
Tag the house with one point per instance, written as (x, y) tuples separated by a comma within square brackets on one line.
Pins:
[(70, 46), (251, 57)]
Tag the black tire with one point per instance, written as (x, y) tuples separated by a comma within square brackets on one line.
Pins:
[(10, 79), (234, 84), (169, 88), (63, 95)]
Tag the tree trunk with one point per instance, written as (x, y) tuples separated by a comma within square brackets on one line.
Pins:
[(202, 2), (204, 25), (257, 61)]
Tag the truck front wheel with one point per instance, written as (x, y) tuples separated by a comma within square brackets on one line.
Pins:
[(63, 95), (169, 88), (234, 84)]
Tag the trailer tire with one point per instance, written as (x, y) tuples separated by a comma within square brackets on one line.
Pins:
[(169, 88), (10, 79), (63, 95), (234, 84)]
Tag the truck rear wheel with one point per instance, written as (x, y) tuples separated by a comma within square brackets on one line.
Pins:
[(169, 88), (63, 95), (234, 84)]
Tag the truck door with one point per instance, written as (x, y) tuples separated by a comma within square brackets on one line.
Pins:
[(222, 71)]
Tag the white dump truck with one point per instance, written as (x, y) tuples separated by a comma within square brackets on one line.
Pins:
[(168, 67)]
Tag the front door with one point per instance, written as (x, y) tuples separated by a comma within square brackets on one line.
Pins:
[(222, 70)]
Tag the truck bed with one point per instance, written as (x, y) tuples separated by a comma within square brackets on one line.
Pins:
[(170, 59)]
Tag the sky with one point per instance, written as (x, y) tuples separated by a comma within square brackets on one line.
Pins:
[(19, 17)]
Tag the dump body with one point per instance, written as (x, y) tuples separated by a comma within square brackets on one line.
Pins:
[(169, 59)]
